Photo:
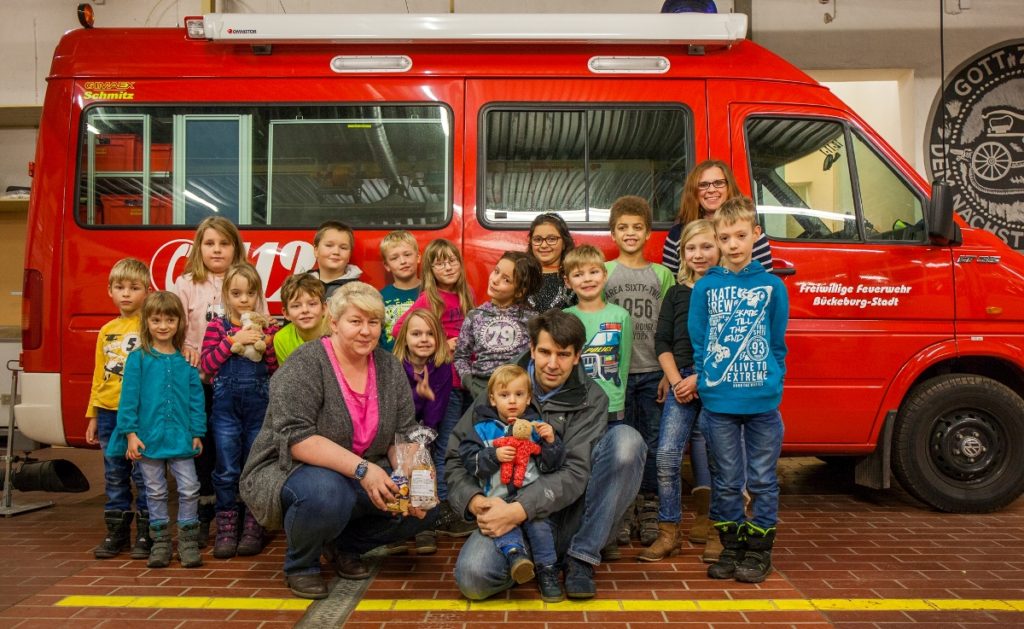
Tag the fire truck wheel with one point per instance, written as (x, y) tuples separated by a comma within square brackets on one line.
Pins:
[(958, 442)]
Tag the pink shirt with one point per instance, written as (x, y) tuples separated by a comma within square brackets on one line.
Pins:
[(202, 304), (362, 407)]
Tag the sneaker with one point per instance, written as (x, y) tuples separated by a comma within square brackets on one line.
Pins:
[(547, 582), (450, 524), (426, 543), (579, 579), (399, 547), (611, 551)]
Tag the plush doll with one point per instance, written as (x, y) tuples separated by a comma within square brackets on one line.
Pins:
[(514, 471), (254, 351)]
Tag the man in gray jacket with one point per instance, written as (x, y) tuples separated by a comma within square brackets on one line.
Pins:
[(584, 499)]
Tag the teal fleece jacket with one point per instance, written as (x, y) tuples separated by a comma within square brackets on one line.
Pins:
[(737, 324), (162, 403)]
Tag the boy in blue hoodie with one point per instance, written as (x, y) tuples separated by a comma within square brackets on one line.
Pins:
[(737, 323)]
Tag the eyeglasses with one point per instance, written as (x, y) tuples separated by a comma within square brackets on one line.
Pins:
[(717, 183), (440, 264), (550, 241)]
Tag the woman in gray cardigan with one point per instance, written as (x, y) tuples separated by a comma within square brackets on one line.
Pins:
[(320, 467)]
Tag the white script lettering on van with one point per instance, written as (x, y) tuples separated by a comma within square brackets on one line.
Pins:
[(838, 294), (272, 260)]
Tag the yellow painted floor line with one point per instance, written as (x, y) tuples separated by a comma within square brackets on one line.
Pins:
[(715, 605), (186, 602), (604, 605)]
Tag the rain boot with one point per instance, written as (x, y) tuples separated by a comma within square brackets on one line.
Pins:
[(701, 506), (733, 548), (251, 541), (160, 553), (142, 541), (226, 544), (119, 533), (757, 560), (667, 544), (188, 545)]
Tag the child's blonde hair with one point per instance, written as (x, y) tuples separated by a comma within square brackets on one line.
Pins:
[(630, 205), (166, 303), (504, 376), (247, 272), (734, 210), (441, 249), (128, 270), (301, 283), (222, 226), (442, 355), (581, 255), (396, 238), (695, 228)]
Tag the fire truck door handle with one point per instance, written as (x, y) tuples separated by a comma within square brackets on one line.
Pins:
[(783, 268)]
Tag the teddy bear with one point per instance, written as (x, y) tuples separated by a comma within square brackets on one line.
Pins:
[(254, 351), (514, 471)]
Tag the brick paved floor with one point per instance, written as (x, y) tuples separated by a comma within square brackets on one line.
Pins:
[(836, 542)]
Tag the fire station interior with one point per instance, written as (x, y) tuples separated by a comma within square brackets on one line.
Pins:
[(847, 556)]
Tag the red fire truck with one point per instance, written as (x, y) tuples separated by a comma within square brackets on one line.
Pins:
[(906, 334)]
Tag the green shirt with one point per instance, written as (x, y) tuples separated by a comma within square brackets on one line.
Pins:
[(286, 341), (606, 355)]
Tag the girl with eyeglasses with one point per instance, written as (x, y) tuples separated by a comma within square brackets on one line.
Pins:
[(709, 185), (549, 240)]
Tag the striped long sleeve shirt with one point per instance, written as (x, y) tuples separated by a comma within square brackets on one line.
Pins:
[(218, 341)]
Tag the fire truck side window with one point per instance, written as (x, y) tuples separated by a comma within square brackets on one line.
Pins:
[(892, 210), (801, 178), (818, 180), (576, 161), (275, 165)]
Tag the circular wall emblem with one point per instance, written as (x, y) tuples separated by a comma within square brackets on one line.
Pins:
[(984, 130)]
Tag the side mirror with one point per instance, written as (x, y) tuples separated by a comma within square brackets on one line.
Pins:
[(939, 218)]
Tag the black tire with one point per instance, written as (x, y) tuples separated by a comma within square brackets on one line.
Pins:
[(958, 442)]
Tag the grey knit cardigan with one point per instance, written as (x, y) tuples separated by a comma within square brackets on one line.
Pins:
[(305, 400)]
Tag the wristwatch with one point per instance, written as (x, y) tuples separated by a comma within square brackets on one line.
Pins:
[(361, 469)]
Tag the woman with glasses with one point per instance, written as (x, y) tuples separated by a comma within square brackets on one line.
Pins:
[(709, 185), (548, 242)]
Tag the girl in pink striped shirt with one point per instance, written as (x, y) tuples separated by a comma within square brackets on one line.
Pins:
[(240, 396)]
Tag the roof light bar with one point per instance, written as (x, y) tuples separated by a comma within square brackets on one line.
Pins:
[(344, 64), (602, 28), (629, 65)]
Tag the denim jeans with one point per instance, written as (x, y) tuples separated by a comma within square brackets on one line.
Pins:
[(118, 472), (541, 534), (729, 437), (323, 508), (699, 457), (240, 395), (458, 403), (643, 413), (154, 471), (677, 421), (585, 527)]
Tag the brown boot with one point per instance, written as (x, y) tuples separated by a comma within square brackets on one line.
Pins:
[(666, 545), (701, 505), (713, 549)]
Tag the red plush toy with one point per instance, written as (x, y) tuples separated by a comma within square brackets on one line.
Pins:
[(514, 471)]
